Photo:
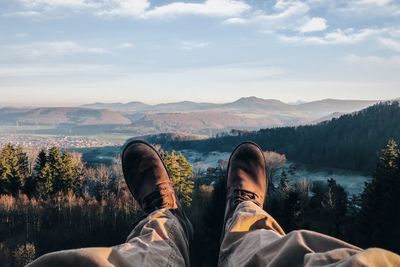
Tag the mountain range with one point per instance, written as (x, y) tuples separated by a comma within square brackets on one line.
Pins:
[(245, 104), (247, 113)]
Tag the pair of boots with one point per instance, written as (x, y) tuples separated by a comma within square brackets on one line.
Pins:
[(149, 182)]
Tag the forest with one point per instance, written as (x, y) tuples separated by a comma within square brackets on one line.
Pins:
[(54, 201), (348, 142)]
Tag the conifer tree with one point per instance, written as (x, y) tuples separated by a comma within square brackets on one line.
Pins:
[(186, 179), (380, 210), (33, 183), (181, 174), (43, 176), (45, 183), (40, 163), (55, 169), (14, 169), (335, 204), (69, 173)]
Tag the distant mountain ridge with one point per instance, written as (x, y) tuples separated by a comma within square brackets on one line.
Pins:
[(137, 118), (140, 106), (250, 104), (131, 106)]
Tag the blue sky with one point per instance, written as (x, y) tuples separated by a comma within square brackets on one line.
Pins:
[(68, 52)]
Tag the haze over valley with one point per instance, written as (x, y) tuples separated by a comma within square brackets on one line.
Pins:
[(205, 119)]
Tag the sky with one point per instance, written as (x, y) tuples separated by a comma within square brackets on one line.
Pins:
[(70, 52)]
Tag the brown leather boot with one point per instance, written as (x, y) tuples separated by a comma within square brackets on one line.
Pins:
[(246, 178), (148, 180)]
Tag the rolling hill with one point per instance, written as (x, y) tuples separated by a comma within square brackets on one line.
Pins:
[(351, 141), (137, 118), (58, 116), (245, 113)]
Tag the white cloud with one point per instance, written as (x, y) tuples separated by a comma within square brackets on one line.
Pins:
[(46, 50), (350, 36), (338, 36), (359, 8), (282, 9), (374, 2), (190, 45), (28, 13), (58, 3), (64, 47), (285, 15), (143, 9), (314, 25), (133, 8), (52, 70), (235, 21), (286, 10), (125, 45), (223, 8), (390, 63), (390, 43)]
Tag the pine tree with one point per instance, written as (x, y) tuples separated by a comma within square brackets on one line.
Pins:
[(43, 174), (40, 163), (335, 204), (380, 210), (69, 173), (5, 183), (45, 183), (14, 169), (55, 169), (33, 183), (181, 174), (186, 179)]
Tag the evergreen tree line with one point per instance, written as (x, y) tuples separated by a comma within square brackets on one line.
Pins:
[(349, 142), (96, 209), (56, 172), (57, 197), (53, 172)]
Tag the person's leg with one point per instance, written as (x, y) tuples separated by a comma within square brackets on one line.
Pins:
[(158, 240), (252, 237), (161, 239)]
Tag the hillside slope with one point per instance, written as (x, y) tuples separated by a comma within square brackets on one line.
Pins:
[(349, 142), (57, 116)]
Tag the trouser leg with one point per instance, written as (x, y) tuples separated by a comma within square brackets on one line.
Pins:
[(253, 238), (158, 240), (245, 232)]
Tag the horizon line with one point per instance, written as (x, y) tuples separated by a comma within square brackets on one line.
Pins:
[(150, 103)]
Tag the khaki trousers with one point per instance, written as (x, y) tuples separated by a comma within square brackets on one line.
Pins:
[(252, 238)]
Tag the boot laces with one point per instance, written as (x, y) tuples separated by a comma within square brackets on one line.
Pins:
[(241, 195), (158, 199)]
